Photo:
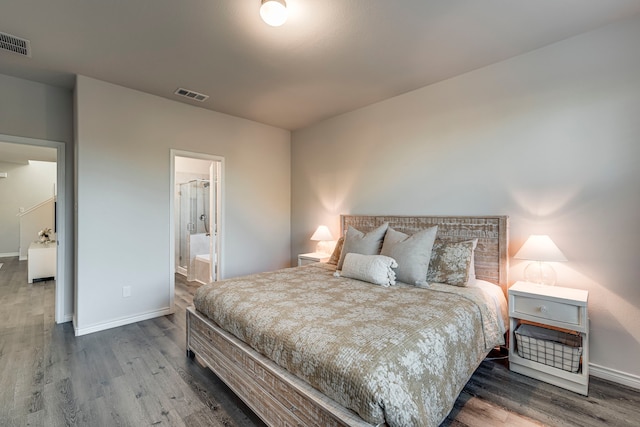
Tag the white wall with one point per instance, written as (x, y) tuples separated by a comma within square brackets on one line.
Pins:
[(35, 110), (26, 186), (550, 138), (124, 139)]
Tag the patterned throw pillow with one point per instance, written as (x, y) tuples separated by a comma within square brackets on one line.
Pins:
[(335, 256), (450, 262)]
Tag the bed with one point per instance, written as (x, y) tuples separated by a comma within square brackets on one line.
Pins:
[(295, 361)]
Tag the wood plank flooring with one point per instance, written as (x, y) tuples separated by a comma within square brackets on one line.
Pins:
[(135, 375), (138, 375)]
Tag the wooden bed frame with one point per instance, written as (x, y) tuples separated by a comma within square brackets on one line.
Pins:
[(280, 398)]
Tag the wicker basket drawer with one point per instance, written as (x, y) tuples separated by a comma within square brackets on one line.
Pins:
[(550, 347)]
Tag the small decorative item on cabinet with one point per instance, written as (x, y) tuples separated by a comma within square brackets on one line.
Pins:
[(44, 235)]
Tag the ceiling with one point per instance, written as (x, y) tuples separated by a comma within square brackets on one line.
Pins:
[(21, 154), (332, 56)]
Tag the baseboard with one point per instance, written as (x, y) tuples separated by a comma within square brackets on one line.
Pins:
[(120, 322), (615, 376), (9, 254), (67, 318)]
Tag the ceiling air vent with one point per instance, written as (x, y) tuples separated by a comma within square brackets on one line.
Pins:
[(15, 44), (191, 94)]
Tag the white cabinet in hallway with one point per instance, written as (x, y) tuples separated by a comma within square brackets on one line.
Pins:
[(42, 261)]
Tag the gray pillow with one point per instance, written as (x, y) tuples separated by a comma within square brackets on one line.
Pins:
[(412, 253), (366, 244)]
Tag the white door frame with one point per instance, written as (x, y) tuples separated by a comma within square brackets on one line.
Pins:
[(61, 217), (220, 215)]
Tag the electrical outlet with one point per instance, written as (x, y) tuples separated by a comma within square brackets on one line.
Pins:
[(126, 291)]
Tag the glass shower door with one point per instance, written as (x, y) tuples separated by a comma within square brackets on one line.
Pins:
[(193, 225), (187, 223)]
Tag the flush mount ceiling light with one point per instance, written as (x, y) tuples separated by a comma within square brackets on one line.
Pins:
[(274, 12)]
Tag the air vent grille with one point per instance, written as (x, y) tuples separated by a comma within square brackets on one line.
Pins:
[(191, 94), (15, 44)]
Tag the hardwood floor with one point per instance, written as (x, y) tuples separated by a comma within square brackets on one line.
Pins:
[(135, 375), (138, 375)]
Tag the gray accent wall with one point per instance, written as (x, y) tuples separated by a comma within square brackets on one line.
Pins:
[(124, 138), (550, 138)]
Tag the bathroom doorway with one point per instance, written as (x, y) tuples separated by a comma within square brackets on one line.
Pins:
[(197, 216)]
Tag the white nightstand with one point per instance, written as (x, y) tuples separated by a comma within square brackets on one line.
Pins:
[(304, 259), (555, 307)]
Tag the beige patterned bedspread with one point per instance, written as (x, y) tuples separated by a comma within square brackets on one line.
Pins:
[(399, 355)]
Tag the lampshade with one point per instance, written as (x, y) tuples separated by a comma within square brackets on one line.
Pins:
[(540, 247), (274, 12), (322, 234)]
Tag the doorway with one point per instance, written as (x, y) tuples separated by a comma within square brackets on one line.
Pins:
[(63, 286), (196, 212)]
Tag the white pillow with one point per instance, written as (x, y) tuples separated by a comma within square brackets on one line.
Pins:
[(376, 269)]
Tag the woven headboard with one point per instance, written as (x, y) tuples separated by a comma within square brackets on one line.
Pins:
[(492, 232)]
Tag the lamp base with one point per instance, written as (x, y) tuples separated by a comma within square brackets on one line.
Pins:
[(326, 246), (541, 273)]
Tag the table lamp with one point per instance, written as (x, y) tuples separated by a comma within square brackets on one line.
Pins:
[(324, 238), (541, 250)]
